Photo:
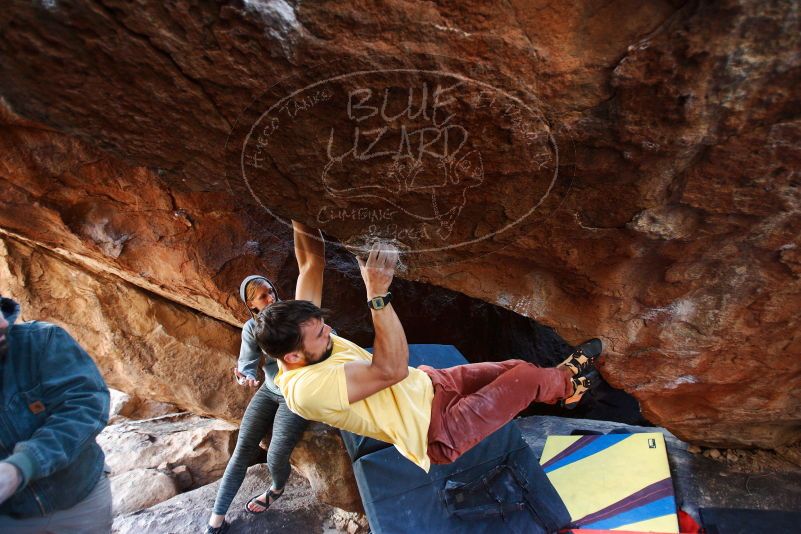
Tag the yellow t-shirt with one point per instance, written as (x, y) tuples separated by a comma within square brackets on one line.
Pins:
[(399, 414)]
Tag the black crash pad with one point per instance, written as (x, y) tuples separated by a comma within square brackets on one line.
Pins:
[(745, 521)]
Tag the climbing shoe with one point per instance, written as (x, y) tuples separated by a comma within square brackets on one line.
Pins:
[(581, 385), (583, 357)]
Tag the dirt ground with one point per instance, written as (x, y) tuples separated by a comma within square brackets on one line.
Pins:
[(780, 460)]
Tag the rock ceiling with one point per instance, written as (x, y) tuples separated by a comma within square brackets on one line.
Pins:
[(622, 169)]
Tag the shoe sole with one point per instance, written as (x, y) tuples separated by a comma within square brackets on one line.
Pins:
[(593, 377), (592, 349)]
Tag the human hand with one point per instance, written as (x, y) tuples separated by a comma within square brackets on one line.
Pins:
[(243, 380), (379, 268), (10, 479)]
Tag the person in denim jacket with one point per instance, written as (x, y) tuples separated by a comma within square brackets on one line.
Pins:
[(53, 403)]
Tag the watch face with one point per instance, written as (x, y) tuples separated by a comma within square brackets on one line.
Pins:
[(380, 302)]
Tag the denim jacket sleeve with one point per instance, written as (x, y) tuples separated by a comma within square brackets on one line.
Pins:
[(249, 351), (77, 401)]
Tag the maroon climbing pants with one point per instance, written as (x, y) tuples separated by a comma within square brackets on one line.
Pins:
[(474, 400)]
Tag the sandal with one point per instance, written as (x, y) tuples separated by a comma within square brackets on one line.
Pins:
[(222, 529), (581, 385), (272, 496), (584, 356)]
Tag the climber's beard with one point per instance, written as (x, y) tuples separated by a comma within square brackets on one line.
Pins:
[(311, 359)]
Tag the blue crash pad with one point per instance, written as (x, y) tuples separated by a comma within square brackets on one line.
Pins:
[(497, 486)]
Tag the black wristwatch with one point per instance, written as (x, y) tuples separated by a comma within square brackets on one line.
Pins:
[(380, 302)]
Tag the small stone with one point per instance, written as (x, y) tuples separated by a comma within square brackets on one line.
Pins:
[(714, 454), (350, 522), (731, 456), (119, 405), (694, 449), (183, 478)]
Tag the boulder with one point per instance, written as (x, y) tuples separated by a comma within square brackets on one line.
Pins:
[(322, 459), (193, 451), (200, 444), (124, 406), (296, 511), (140, 488)]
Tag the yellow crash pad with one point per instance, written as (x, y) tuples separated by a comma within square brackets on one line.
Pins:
[(613, 482)]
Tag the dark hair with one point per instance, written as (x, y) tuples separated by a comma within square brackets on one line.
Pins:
[(278, 326)]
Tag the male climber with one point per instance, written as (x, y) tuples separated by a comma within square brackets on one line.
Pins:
[(430, 415)]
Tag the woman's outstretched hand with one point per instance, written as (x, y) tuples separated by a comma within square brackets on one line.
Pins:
[(243, 380)]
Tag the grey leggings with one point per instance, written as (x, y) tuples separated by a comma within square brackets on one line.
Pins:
[(266, 410)]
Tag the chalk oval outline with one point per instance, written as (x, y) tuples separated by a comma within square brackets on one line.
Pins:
[(445, 74)]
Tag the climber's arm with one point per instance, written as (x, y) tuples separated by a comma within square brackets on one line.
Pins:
[(310, 254)]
